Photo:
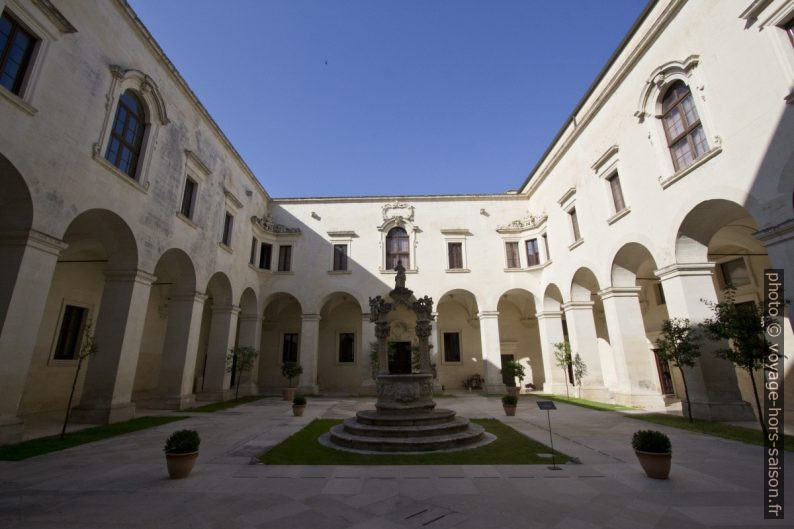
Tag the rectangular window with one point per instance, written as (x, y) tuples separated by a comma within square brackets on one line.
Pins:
[(265, 253), (451, 347), (455, 254), (16, 49), (347, 342), (228, 222), (289, 349), (574, 224), (617, 193), (546, 246), (188, 198), (789, 28), (252, 259), (660, 294), (68, 344), (513, 260), (735, 273), (340, 257), (284, 258), (533, 255)]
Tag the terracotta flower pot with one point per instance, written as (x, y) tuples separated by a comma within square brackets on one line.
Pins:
[(288, 393), (297, 410), (180, 465), (655, 465), (509, 410)]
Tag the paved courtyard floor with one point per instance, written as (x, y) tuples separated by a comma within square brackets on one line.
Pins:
[(122, 482)]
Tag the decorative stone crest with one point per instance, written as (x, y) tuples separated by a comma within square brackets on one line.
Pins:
[(398, 211), (423, 307), (268, 224), (525, 223)]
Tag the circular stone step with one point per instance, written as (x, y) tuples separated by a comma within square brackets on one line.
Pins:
[(457, 424), (413, 419), (342, 438)]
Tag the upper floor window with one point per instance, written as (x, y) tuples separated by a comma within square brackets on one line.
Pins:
[(397, 248), (72, 325), (789, 28), (685, 136), (340, 257), (189, 198), (252, 258), (126, 137), (513, 260), (284, 258), (574, 224), (228, 223), (16, 49), (533, 254), (545, 237), (617, 193), (265, 254), (455, 255)]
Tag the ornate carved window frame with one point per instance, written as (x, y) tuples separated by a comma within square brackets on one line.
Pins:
[(399, 215)]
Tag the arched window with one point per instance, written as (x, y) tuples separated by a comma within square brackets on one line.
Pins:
[(126, 137), (397, 248), (685, 136)]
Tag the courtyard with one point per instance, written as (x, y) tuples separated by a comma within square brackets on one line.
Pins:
[(121, 482)]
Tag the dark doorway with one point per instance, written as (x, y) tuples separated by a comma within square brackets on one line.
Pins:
[(508, 381), (400, 358)]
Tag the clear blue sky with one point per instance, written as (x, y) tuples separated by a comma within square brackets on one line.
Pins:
[(376, 97)]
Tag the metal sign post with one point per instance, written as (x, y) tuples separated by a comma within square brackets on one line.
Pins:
[(548, 405)]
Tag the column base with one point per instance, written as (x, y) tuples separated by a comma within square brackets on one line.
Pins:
[(311, 389), (648, 401), (176, 402), (496, 388), (11, 429), (112, 414), (720, 411), (558, 388), (214, 396), (368, 388), (597, 393), (437, 387)]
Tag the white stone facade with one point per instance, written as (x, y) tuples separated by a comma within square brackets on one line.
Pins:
[(168, 298)]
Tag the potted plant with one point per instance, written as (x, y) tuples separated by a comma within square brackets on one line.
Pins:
[(653, 449), (298, 405), (181, 452), (290, 370), (509, 403), (514, 370)]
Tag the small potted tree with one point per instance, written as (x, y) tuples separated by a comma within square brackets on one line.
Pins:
[(181, 452), (514, 370), (509, 403), (290, 371), (654, 452), (298, 405)]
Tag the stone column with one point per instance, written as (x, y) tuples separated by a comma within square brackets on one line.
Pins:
[(110, 374), (223, 328), (250, 335), (434, 358), (550, 330), (712, 383), (382, 330), (584, 340), (637, 376), (180, 348), (309, 343), (25, 292), (491, 351), (423, 330), (365, 359)]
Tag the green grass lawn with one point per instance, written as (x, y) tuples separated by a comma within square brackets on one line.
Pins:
[(225, 405), (719, 429), (584, 403), (510, 448), (44, 445)]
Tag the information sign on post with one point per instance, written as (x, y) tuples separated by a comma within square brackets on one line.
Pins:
[(548, 405)]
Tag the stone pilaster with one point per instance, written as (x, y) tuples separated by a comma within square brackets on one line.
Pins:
[(223, 328), (491, 351), (309, 343), (550, 330), (584, 340)]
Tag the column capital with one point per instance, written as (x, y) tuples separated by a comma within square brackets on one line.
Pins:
[(251, 317), (365, 317), (311, 317), (123, 276), (34, 238), (225, 309), (488, 314), (619, 292), (193, 297), (776, 234), (549, 314), (577, 305), (684, 269)]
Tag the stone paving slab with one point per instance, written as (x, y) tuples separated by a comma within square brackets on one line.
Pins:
[(122, 482)]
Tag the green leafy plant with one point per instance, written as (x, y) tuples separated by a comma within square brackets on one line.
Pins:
[(743, 325), (510, 400), (563, 359), (238, 361), (651, 441), (182, 442), (473, 382), (514, 369), (299, 401), (291, 370), (679, 344), (87, 348), (579, 371)]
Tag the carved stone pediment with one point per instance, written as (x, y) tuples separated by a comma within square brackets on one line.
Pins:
[(269, 225), (525, 223), (398, 210)]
